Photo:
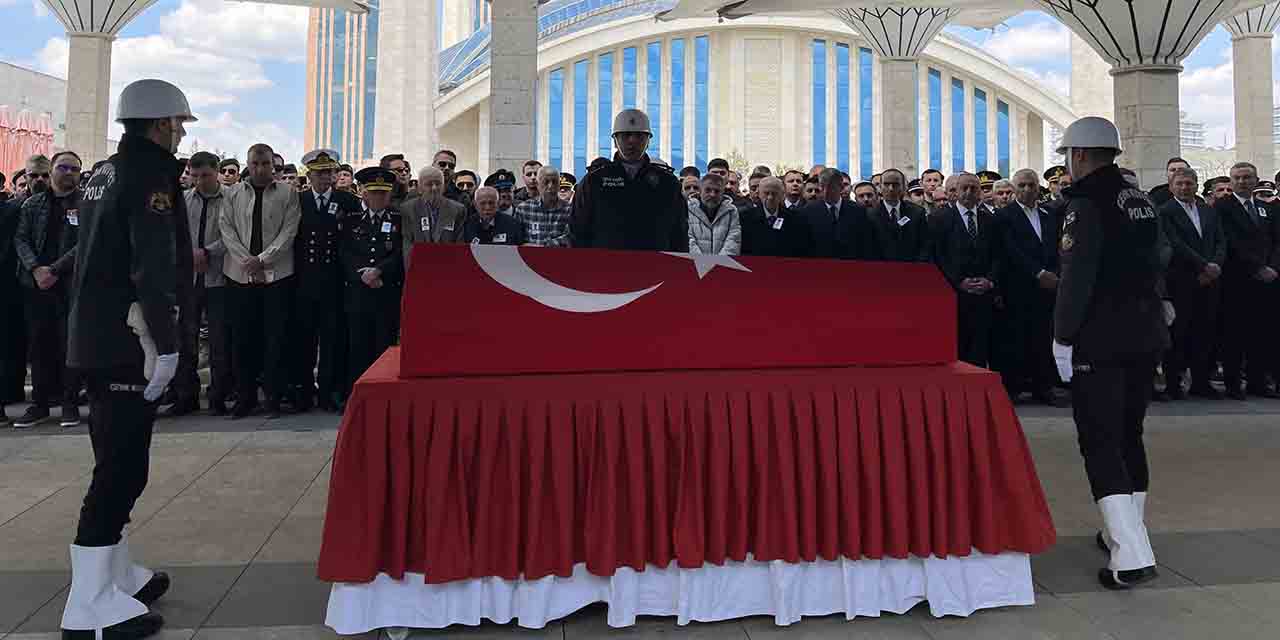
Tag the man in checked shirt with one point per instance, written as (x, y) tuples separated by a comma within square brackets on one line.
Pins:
[(546, 218)]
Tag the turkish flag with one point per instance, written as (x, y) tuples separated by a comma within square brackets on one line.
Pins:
[(492, 309)]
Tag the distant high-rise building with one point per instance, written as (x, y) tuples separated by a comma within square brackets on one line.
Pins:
[(1192, 132), (1275, 124), (342, 82)]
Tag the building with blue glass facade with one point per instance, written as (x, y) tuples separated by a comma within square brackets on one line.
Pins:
[(342, 82), (782, 91)]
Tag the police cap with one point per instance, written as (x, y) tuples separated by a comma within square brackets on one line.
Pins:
[(501, 180), (1054, 173), (567, 180), (914, 185), (988, 178), (321, 160)]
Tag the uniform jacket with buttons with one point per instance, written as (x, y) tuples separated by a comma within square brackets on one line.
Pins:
[(33, 227), (366, 243), (213, 276), (317, 249), (280, 214), (612, 210)]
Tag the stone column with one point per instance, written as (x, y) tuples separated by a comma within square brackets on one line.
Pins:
[(898, 115), (1251, 39), (87, 99), (1147, 115), (513, 77), (1092, 89)]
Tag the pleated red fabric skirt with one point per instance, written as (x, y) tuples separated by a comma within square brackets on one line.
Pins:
[(525, 476)]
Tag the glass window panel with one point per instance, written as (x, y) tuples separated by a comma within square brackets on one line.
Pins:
[(604, 108), (370, 79), (653, 99), (935, 119), (1002, 137), (629, 78), (677, 103), (555, 118), (819, 82), (842, 107), (701, 133), (866, 132), (957, 125), (338, 81), (581, 71), (979, 129)]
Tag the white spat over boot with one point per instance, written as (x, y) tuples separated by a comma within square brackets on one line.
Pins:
[(1132, 560), (97, 607)]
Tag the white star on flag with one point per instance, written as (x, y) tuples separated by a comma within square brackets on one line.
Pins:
[(705, 263)]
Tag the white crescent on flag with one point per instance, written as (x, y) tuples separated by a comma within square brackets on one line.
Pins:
[(507, 267)]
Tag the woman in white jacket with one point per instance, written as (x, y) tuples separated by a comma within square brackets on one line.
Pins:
[(714, 227)]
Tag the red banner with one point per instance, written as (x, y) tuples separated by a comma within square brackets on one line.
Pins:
[(491, 309)]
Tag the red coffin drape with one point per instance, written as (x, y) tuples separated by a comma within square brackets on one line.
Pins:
[(525, 476)]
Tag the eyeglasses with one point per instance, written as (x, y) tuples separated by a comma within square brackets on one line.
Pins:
[(445, 164), (401, 170)]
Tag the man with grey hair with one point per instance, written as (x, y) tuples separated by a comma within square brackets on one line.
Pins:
[(545, 219), (965, 248), (841, 228), (1001, 194), (1249, 282), (1192, 280), (773, 229), (489, 226), (1028, 279), (430, 217), (714, 226)]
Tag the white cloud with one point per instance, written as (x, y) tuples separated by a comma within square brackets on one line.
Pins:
[(1060, 83), (38, 8), (215, 51), (1029, 44), (1207, 95)]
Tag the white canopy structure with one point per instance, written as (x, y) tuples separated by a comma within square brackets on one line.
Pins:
[(91, 29), (1145, 43)]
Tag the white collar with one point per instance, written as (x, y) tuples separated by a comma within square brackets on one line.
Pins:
[(1243, 201), (327, 195)]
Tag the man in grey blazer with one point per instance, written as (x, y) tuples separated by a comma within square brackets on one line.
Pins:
[(429, 217)]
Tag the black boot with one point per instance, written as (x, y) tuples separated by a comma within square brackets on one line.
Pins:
[(1118, 580), (157, 586), (143, 626)]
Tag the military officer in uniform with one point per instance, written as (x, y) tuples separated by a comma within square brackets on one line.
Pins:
[(320, 329), (1109, 328), (987, 180), (134, 281), (373, 268), (630, 203)]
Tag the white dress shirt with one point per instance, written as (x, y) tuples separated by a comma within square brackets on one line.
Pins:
[(1193, 212), (1033, 216)]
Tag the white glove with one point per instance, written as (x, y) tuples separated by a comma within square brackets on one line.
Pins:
[(1062, 358), (166, 368), (139, 326), (1169, 313)]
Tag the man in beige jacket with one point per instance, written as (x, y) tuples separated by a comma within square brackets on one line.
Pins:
[(429, 217), (258, 228)]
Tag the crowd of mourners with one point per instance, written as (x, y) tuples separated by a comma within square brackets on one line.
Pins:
[(300, 268)]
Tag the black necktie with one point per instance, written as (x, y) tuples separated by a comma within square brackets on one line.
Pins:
[(835, 212), (204, 210), (255, 230), (971, 224), (321, 203)]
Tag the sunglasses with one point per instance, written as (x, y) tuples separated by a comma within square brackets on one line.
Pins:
[(230, 172), (401, 170), (444, 164), (37, 176), (278, 168)]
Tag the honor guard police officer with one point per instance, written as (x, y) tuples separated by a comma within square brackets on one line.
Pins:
[(320, 327), (373, 267), (134, 278), (1109, 329), (630, 203)]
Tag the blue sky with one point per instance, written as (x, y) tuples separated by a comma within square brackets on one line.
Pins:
[(244, 65)]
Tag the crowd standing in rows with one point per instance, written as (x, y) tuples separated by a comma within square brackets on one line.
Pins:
[(298, 278)]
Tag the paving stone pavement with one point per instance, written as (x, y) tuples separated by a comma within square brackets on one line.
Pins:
[(234, 512)]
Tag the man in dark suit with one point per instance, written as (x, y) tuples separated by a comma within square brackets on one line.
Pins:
[(771, 229), (964, 251), (1249, 285), (904, 234), (1199, 249), (1029, 284), (841, 228)]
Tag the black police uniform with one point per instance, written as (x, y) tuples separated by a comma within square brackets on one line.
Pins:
[(13, 330), (613, 210), (1113, 254), (320, 331), (134, 248), (373, 315)]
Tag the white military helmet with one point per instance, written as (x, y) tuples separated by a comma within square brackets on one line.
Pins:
[(1091, 132), (631, 121), (153, 100)]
